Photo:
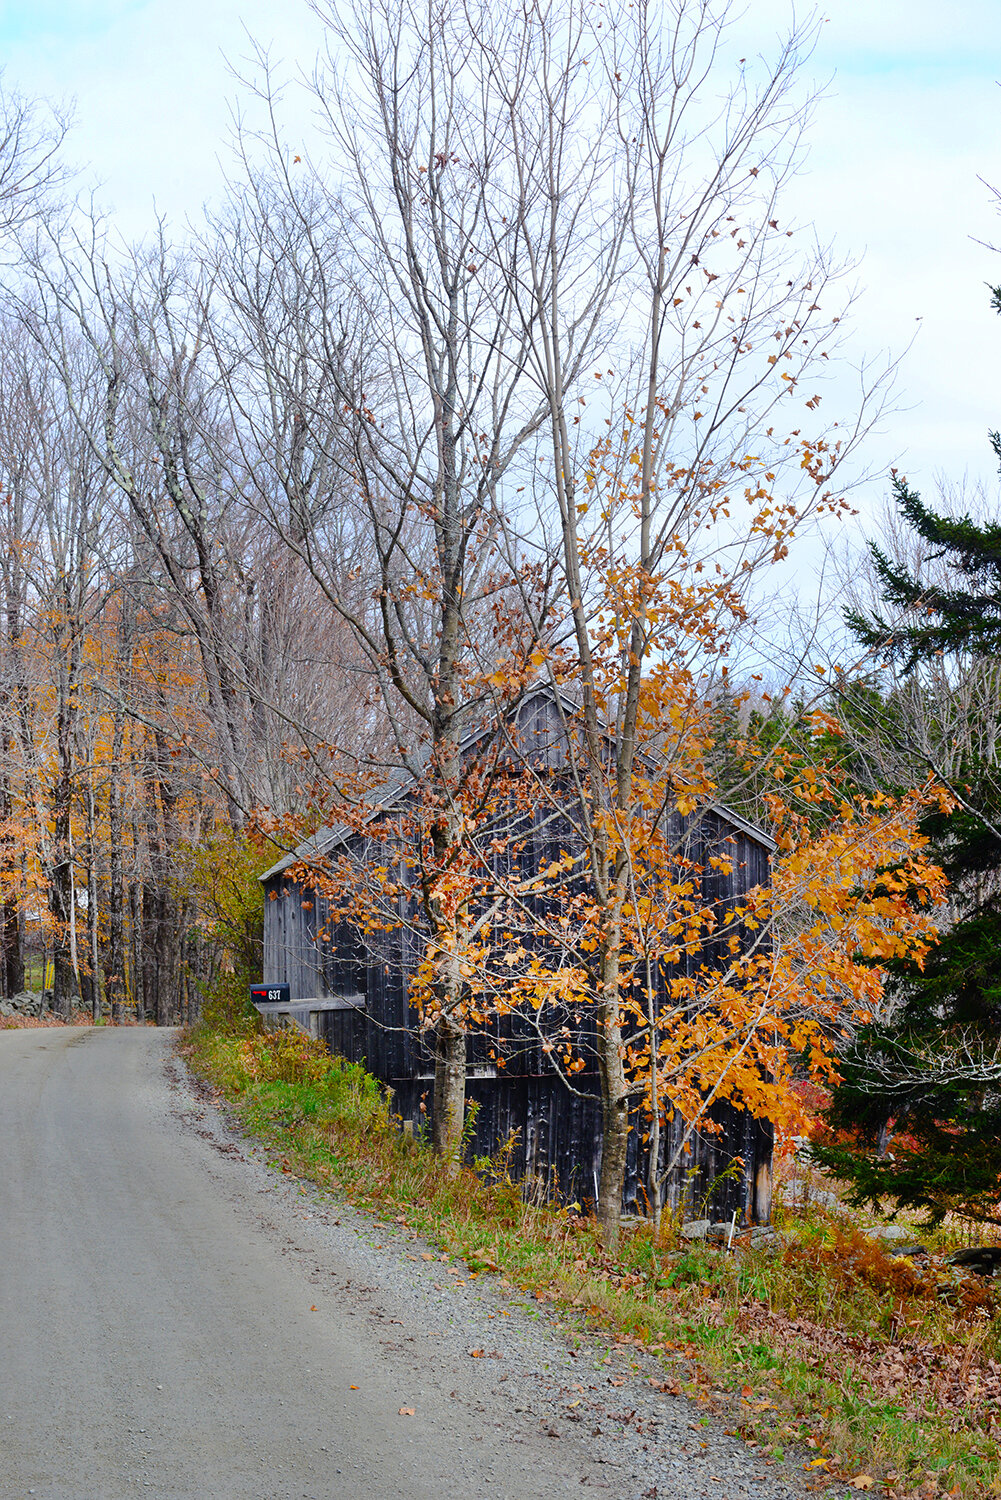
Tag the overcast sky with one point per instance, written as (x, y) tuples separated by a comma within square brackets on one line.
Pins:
[(909, 128)]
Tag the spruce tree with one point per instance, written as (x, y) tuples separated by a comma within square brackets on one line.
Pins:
[(934, 1069)]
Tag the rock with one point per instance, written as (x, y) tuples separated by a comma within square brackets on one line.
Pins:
[(891, 1233), (897, 1239), (983, 1260), (696, 1229), (725, 1232), (26, 1002), (718, 1232), (762, 1237), (802, 1193)]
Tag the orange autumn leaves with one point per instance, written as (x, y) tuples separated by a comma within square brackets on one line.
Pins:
[(804, 962), (720, 999), (722, 993)]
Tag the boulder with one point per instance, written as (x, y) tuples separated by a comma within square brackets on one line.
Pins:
[(897, 1239), (763, 1237), (762, 1232), (892, 1233), (718, 1232)]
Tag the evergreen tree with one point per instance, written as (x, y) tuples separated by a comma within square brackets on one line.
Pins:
[(933, 1069), (964, 617)]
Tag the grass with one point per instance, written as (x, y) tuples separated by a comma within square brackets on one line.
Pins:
[(830, 1348)]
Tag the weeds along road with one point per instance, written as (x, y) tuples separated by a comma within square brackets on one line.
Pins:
[(158, 1340)]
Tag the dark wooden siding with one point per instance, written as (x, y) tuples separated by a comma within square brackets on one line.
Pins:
[(556, 1129)]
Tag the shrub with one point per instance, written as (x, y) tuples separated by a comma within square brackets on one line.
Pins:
[(285, 1056)]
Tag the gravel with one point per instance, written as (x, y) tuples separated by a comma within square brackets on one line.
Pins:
[(534, 1371)]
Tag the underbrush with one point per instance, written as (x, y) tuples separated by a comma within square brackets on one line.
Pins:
[(887, 1378)]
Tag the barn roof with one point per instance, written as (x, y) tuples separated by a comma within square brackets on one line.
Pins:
[(400, 782), (327, 838)]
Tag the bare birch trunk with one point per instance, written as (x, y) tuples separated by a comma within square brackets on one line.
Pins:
[(137, 925)]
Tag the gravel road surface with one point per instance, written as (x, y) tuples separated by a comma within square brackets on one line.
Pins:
[(179, 1319)]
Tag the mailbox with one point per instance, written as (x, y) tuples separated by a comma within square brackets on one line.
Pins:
[(269, 994)]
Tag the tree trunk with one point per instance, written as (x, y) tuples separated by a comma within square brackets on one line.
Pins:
[(449, 1091), (93, 940), (60, 903), (614, 1105), (114, 979), (65, 981), (163, 838), (137, 944), (11, 940), (152, 922), (11, 957), (655, 1186)]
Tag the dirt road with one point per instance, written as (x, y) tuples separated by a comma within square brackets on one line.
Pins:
[(178, 1319), (153, 1343)]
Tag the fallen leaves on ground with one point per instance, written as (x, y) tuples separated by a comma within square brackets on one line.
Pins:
[(32, 1023), (916, 1376)]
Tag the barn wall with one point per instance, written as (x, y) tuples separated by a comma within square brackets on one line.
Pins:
[(557, 1144), (556, 1131)]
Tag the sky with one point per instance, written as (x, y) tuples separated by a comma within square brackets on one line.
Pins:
[(903, 148)]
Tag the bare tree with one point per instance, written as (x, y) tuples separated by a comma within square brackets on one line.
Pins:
[(542, 267), (32, 169), (394, 345), (53, 482), (31, 173)]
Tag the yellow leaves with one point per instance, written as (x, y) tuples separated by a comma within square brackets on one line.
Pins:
[(777, 993)]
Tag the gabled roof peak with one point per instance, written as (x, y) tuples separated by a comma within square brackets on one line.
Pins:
[(400, 782)]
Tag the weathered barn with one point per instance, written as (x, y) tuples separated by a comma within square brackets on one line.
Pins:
[(352, 991)]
